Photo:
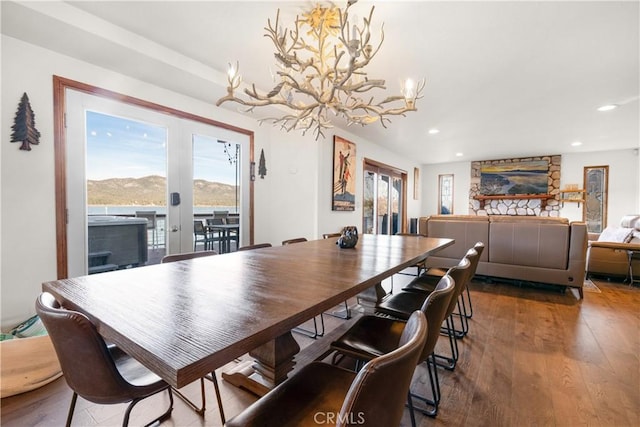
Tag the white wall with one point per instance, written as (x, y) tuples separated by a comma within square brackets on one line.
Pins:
[(461, 183), (333, 221), (293, 200), (624, 181)]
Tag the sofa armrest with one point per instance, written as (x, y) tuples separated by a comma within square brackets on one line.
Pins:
[(615, 245)]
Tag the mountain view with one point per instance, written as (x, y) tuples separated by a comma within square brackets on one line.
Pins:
[(151, 191)]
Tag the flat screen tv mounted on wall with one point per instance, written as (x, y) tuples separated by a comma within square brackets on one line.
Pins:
[(529, 177)]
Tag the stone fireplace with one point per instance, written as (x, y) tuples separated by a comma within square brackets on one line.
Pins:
[(517, 205)]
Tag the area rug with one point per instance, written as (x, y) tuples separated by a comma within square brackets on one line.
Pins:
[(589, 286)]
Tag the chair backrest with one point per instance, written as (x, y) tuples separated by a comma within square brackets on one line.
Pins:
[(256, 246), (215, 221), (187, 255), (198, 227), (479, 247), (461, 274), (220, 214), (296, 240), (150, 216), (435, 309), (378, 393), (86, 362), (330, 235)]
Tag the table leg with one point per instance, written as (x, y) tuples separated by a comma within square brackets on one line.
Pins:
[(273, 361)]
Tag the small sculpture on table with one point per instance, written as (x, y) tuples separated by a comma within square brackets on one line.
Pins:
[(348, 238)]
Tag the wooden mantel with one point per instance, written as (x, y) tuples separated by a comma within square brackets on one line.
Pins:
[(543, 198), (515, 196)]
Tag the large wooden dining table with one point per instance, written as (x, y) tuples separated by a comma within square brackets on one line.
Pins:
[(185, 319)]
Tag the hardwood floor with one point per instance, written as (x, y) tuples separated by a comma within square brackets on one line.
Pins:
[(533, 356)]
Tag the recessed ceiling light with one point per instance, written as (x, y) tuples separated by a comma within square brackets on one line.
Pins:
[(434, 131), (576, 143), (459, 154), (608, 107)]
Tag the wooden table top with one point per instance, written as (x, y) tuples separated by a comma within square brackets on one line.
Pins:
[(184, 319)]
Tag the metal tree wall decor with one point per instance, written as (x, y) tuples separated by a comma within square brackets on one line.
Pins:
[(24, 127), (262, 166)]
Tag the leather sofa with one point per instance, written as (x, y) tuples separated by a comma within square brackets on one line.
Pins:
[(534, 249), (609, 251)]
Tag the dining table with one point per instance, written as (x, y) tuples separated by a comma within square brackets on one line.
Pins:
[(184, 319)]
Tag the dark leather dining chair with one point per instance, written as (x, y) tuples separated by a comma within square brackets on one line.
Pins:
[(255, 246), (186, 255), (315, 333), (331, 235), (99, 373), (439, 271), (372, 336), (296, 240), (200, 410), (461, 274), (402, 304), (427, 282), (323, 394)]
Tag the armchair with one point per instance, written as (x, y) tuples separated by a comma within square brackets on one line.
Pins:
[(616, 251)]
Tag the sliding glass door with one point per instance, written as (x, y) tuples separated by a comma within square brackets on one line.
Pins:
[(384, 199)]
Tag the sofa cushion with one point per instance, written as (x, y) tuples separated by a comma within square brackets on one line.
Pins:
[(616, 234), (529, 243), (466, 231)]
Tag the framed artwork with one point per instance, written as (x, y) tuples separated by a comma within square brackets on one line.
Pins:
[(416, 183), (344, 175), (594, 211), (445, 194), (530, 177)]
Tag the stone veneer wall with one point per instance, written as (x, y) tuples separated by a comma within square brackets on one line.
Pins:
[(523, 207)]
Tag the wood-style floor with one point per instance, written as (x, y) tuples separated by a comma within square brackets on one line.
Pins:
[(533, 357)]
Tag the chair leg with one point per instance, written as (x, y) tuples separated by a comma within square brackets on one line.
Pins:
[(312, 334), (470, 315), (411, 409), (199, 410), (449, 363), (161, 418), (347, 312), (464, 319), (72, 408), (432, 409), (214, 379)]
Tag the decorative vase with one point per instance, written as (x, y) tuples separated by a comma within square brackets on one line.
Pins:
[(349, 237)]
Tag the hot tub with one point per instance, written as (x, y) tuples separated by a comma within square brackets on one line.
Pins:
[(116, 242)]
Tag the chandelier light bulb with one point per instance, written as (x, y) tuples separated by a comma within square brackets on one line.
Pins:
[(608, 107)]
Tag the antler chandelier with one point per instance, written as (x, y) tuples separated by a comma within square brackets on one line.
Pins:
[(321, 72)]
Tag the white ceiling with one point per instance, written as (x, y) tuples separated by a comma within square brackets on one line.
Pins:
[(504, 79)]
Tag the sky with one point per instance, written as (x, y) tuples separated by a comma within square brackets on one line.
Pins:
[(123, 148)]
